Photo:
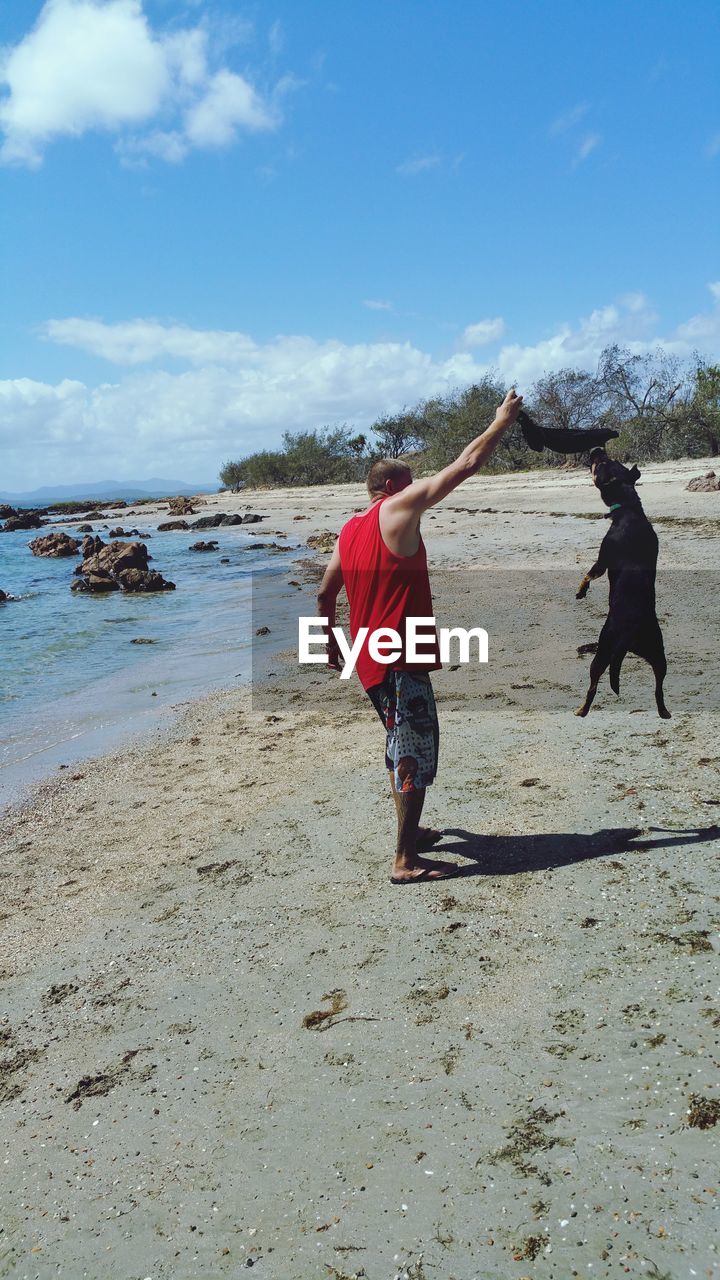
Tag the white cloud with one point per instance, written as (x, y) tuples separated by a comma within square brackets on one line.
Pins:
[(569, 118), (228, 104), (98, 65), (377, 304), (587, 146), (234, 394), (420, 164), (483, 333)]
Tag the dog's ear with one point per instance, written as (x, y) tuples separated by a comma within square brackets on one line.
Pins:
[(635, 473)]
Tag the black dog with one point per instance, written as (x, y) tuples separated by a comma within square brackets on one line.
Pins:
[(629, 552)]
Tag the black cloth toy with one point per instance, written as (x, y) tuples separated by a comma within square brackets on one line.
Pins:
[(562, 440)]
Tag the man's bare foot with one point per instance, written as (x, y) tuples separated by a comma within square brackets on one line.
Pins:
[(422, 869), (427, 837)]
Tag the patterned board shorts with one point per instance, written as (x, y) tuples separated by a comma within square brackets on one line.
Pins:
[(405, 703)]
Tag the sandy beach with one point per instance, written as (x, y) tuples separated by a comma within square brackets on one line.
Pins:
[(228, 1042)]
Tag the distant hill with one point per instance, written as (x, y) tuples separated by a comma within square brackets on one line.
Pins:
[(105, 489)]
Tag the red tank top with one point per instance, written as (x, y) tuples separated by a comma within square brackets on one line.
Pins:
[(384, 590)]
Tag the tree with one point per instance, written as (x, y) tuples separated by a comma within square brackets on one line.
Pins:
[(704, 407), (330, 455), (397, 434), (232, 476), (646, 399), (448, 423)]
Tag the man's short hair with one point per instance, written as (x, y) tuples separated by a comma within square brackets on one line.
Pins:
[(383, 470)]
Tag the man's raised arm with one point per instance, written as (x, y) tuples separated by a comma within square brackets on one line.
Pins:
[(421, 494)]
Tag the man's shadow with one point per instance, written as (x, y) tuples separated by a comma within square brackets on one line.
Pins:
[(498, 855)]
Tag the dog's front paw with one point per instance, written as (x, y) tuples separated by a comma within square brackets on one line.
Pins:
[(581, 594)]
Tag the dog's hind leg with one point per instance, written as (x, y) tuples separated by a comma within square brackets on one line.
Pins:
[(659, 667), (598, 666), (614, 672), (650, 647)]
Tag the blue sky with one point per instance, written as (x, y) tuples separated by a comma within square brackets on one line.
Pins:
[(219, 222)]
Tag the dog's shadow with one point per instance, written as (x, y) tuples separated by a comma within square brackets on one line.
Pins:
[(499, 855)]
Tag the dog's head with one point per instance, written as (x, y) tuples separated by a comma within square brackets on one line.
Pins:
[(615, 481)]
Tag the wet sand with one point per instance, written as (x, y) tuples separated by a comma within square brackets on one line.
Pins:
[(229, 1042)]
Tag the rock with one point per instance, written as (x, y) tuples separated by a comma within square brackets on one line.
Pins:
[(115, 556), (171, 525), (203, 546), (90, 546), (28, 520), (143, 580), (3, 597), (142, 640), (225, 560), (232, 519), (54, 545), (181, 507), (84, 528), (208, 522), (6, 512), (708, 483), (96, 583), (117, 565), (251, 517), (263, 631), (301, 517), (324, 541)]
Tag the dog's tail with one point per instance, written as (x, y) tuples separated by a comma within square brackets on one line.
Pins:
[(614, 672)]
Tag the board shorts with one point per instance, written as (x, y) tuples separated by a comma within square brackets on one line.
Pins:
[(405, 703)]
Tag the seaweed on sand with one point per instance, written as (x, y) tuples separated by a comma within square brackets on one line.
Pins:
[(315, 1019)]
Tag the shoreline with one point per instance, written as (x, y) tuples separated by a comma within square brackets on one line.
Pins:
[(506, 1083)]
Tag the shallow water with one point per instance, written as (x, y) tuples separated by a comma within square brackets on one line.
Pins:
[(71, 682)]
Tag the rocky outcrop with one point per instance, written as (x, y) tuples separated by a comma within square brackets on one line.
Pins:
[(84, 528), (324, 541), (704, 484), (170, 525), (181, 507), (95, 583), (91, 545), (28, 520), (204, 546), (6, 512), (54, 545), (115, 556), (143, 580), (3, 597), (223, 518), (208, 522), (117, 566)]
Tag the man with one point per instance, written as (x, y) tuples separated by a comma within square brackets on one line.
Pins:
[(380, 559)]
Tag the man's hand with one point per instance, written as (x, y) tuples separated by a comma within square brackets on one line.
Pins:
[(333, 652), (327, 597), (509, 409)]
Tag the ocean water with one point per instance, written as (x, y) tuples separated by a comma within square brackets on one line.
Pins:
[(72, 683)]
